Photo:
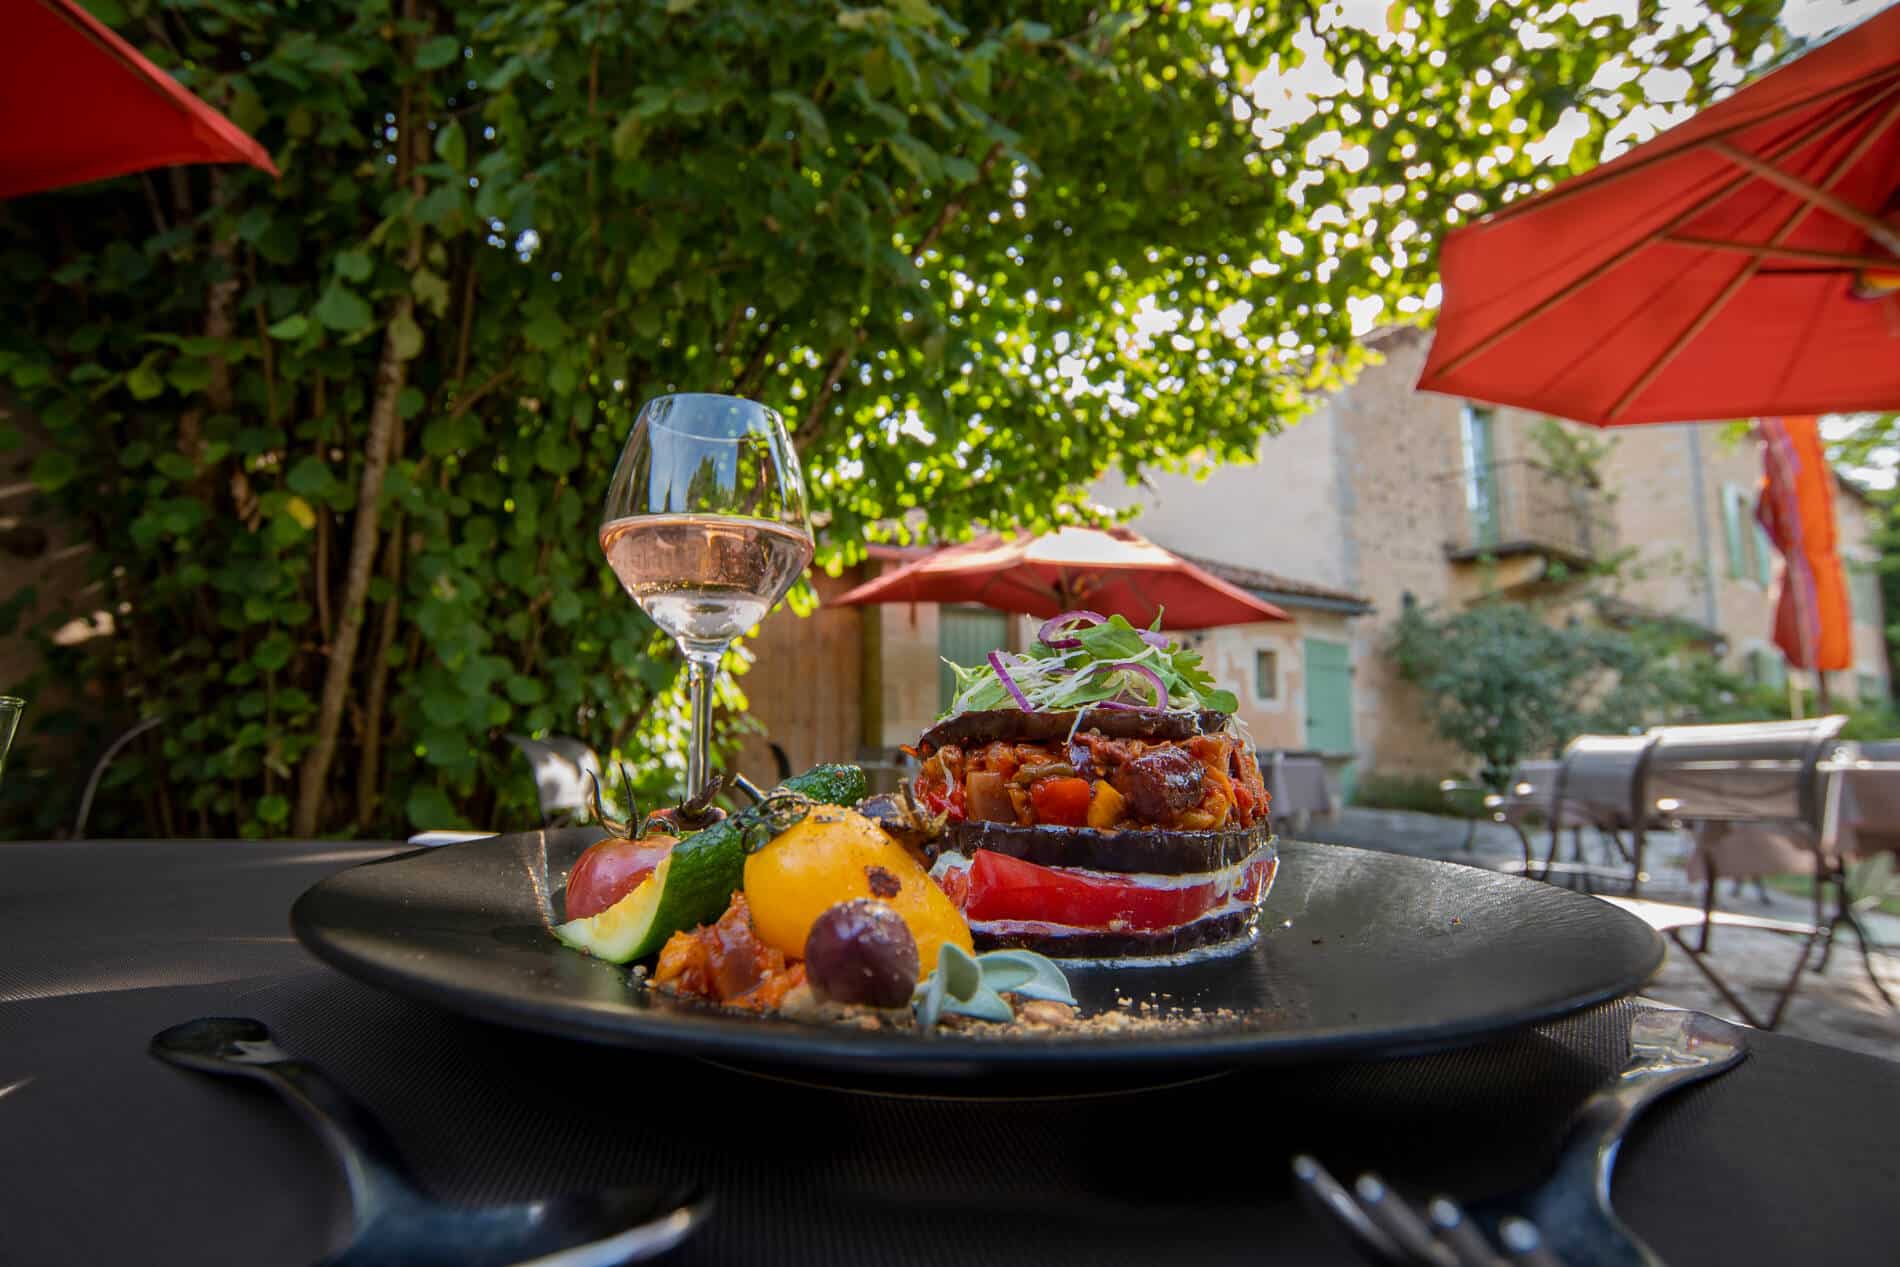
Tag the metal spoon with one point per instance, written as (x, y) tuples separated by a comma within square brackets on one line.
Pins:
[(395, 1223)]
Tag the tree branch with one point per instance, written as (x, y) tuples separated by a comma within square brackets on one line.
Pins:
[(392, 375), (953, 205)]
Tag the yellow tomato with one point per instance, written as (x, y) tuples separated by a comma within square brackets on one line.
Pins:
[(835, 855)]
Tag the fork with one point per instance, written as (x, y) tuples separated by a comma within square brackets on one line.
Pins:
[(1566, 1221)]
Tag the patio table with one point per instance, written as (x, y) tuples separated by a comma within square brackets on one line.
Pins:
[(110, 1157)]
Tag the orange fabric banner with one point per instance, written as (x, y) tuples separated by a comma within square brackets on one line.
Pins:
[(1812, 624)]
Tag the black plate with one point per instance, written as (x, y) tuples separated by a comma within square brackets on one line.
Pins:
[(1360, 954)]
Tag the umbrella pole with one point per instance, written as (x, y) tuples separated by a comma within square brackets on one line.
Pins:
[(1821, 700)]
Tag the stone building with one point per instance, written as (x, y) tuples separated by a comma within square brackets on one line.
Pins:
[(1401, 496)]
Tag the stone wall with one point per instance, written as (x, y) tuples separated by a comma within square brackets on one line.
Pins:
[(1398, 448)]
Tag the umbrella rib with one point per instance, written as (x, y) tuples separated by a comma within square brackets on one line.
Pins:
[(1572, 188), (1817, 196), (1847, 260), (1813, 195), (1511, 327)]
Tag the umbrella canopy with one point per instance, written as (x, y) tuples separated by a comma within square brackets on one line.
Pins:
[(1112, 571), (1740, 264), (1796, 509), (81, 104)]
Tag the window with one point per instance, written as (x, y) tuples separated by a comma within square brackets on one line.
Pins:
[(1863, 592), (1266, 674), (1868, 688), (1481, 474), (1733, 521), (1751, 553)]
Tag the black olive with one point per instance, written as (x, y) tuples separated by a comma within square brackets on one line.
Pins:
[(861, 951)]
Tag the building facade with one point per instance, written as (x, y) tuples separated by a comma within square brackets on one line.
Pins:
[(1381, 497), (1401, 497)]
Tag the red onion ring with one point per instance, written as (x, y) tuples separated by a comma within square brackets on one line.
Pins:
[(1055, 624), (1009, 683), (1155, 639), (1129, 666)]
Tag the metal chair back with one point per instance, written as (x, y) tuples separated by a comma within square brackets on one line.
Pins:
[(1744, 772), (1601, 780)]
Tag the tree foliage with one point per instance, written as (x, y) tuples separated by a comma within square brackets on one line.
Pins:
[(337, 440), (1506, 683)]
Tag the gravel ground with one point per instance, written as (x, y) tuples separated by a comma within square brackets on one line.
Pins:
[(1838, 1007)]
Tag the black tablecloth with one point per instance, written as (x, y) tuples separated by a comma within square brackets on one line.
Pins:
[(107, 1156)]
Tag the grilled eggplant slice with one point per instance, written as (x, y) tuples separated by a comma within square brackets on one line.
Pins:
[(993, 724)]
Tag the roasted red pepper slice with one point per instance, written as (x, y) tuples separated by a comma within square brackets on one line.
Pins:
[(1005, 888), (1063, 802)]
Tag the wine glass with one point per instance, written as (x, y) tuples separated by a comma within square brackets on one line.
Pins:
[(705, 526)]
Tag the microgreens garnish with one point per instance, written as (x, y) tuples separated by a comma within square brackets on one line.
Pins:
[(1081, 660)]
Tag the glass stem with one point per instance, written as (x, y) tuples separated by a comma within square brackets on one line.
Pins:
[(700, 667)]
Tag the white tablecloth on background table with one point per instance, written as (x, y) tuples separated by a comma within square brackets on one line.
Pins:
[(1297, 785)]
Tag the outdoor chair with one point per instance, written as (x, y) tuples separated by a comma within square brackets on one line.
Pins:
[(1599, 784), (1470, 801), (1755, 795)]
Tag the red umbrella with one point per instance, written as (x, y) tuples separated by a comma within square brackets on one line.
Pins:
[(1740, 264), (81, 104), (1813, 623), (1112, 571)]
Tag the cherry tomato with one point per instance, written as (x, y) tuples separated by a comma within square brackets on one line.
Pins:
[(610, 870), (1062, 802), (1005, 888)]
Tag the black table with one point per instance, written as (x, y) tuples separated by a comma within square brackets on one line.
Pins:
[(108, 1157)]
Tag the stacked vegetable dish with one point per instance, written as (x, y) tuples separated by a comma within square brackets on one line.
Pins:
[(1091, 799)]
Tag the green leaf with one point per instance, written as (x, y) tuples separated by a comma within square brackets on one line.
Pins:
[(409, 403), (429, 808), (53, 470), (273, 652), (629, 136), (452, 147), (355, 266), (291, 327), (436, 53), (342, 309), (544, 331), (144, 381), (405, 337), (189, 375), (431, 291), (1026, 973), (309, 476), (273, 810), (175, 466), (962, 975), (811, 120)]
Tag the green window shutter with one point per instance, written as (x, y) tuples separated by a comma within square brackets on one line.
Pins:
[(1764, 557), (965, 636), (1732, 531), (1777, 669)]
